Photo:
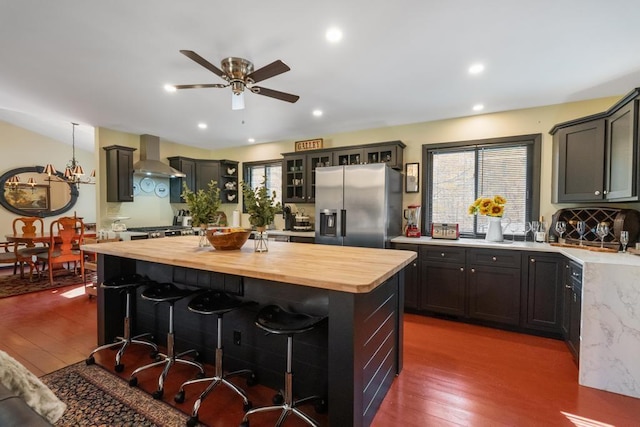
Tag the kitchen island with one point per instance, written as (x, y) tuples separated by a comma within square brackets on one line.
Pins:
[(610, 316), (352, 361)]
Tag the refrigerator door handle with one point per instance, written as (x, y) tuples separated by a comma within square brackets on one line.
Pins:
[(343, 222)]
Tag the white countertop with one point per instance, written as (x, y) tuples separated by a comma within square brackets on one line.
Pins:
[(581, 256)]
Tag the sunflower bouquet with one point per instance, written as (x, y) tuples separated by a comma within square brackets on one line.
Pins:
[(489, 206)]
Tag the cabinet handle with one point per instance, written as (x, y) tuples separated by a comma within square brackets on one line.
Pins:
[(473, 270), (415, 265), (494, 259), (568, 287), (574, 274), (597, 193), (442, 254), (605, 191), (575, 299), (461, 268), (532, 260)]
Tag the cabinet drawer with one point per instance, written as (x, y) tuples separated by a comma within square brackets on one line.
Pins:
[(497, 258), (442, 254), (575, 273)]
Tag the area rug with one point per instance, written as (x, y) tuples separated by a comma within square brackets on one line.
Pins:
[(14, 285), (96, 397)]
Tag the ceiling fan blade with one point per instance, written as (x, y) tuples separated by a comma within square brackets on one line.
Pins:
[(275, 94), (202, 86), (206, 64), (268, 71)]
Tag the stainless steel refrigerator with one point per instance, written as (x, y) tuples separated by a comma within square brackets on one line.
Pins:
[(358, 205)]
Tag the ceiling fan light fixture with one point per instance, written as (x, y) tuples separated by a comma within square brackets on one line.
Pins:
[(237, 101)]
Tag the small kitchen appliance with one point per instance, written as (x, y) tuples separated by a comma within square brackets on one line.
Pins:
[(412, 215)]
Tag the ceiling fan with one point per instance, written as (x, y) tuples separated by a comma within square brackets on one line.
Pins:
[(239, 74)]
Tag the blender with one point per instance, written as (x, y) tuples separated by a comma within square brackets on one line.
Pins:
[(412, 215)]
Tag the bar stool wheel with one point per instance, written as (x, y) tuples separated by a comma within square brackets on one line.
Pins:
[(320, 406), (277, 399), (119, 367), (133, 381), (179, 397), (90, 360), (157, 394), (252, 380), (244, 424), (192, 422)]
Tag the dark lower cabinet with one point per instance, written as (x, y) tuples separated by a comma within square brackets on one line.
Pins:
[(443, 288), (572, 307), (494, 294), (411, 279), (542, 302)]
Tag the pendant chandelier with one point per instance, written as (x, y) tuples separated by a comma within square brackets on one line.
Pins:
[(74, 172)]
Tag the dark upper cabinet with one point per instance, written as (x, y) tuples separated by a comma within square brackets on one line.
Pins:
[(119, 173), (299, 168), (596, 157), (580, 162), (186, 166), (199, 172), (621, 157), (206, 171), (542, 287)]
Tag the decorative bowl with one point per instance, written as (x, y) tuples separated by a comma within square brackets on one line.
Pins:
[(226, 239)]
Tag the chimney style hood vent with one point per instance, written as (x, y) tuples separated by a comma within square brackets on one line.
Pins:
[(150, 164)]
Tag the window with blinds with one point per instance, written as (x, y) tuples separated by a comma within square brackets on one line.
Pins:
[(459, 173), (269, 172)]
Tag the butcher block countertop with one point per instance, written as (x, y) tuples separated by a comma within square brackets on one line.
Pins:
[(339, 268)]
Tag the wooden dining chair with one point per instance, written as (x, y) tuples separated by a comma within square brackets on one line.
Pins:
[(67, 235), (30, 225), (8, 255)]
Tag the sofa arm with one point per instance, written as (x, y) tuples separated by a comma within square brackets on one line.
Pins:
[(14, 411)]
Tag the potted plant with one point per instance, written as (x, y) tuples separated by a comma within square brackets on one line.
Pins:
[(203, 204), (262, 209)]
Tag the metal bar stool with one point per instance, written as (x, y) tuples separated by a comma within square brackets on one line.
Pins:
[(127, 284), (169, 293), (216, 303), (276, 320)]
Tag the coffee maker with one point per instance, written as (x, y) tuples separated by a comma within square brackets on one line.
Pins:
[(412, 215)]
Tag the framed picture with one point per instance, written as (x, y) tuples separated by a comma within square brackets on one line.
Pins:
[(412, 177), (28, 198)]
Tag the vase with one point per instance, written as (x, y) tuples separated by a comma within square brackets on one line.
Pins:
[(494, 232), (203, 242), (260, 241)]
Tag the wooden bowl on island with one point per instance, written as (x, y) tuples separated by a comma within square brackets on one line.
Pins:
[(227, 239)]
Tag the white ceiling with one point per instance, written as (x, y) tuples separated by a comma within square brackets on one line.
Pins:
[(104, 63)]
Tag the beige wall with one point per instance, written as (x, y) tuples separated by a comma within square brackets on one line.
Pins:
[(516, 122), (22, 148), (26, 148)]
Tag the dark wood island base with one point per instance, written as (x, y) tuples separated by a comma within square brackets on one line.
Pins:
[(352, 358)]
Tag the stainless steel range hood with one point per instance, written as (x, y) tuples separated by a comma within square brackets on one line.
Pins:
[(150, 164)]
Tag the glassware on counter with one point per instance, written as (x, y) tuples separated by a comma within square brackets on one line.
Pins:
[(624, 240), (581, 227), (561, 227), (602, 229)]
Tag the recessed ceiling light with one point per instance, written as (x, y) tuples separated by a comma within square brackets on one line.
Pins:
[(170, 88), (476, 68), (478, 107), (333, 35), (317, 113), (251, 140), (202, 125)]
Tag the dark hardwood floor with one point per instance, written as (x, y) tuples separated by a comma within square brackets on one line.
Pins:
[(454, 374)]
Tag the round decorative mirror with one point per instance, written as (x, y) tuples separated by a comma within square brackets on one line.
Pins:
[(34, 193)]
